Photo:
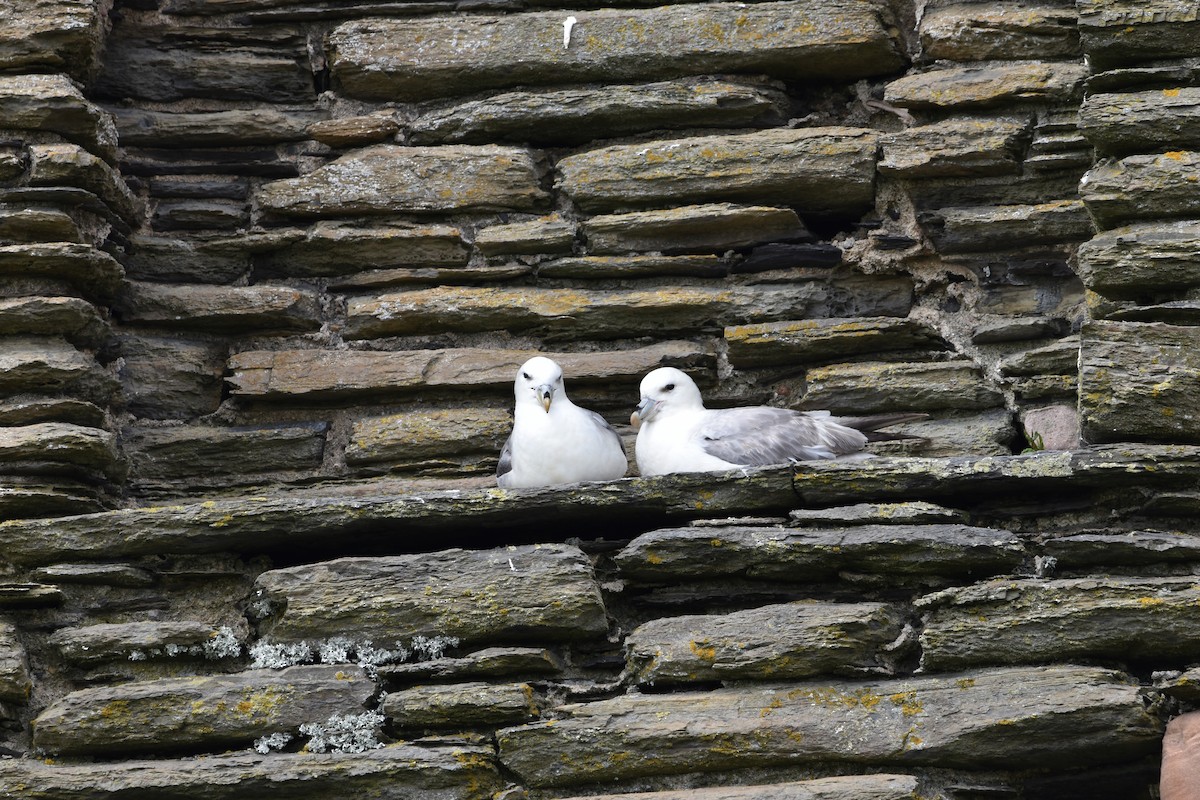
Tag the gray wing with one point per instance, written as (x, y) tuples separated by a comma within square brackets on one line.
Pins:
[(763, 435), (505, 465), (602, 423)]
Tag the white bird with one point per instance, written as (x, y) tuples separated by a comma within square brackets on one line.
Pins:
[(676, 433), (554, 441)]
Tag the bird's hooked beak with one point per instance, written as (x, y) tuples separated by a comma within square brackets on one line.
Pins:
[(545, 393), (644, 412)]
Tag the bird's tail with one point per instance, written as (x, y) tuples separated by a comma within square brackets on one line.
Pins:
[(870, 425)]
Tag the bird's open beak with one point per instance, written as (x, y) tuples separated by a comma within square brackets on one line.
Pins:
[(644, 412), (545, 393)]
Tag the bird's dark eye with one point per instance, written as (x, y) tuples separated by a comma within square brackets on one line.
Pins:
[(526, 376), (669, 386)]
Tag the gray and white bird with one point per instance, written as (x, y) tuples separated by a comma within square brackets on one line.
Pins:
[(676, 433), (554, 441)]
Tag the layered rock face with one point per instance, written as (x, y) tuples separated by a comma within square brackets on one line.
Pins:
[(269, 268)]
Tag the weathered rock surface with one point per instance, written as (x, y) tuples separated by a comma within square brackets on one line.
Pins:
[(541, 592), (1142, 187), (389, 59), (1180, 775), (814, 170), (1031, 717), (91, 273), (461, 706), (54, 103), (1027, 621), (51, 366), (845, 787), (989, 84), (214, 128), (641, 265), (169, 377), (715, 228), (72, 165), (551, 235), (135, 68), (387, 179), (209, 712), (1075, 551), (1141, 260), (15, 682), (1128, 122), (618, 313), (57, 447), (955, 148), (815, 554), (222, 308), (453, 437), (816, 340), (1117, 32), (981, 32), (778, 642), (204, 454), (872, 387), (59, 35), (451, 772), (337, 248), (71, 317), (141, 640), (1139, 382), (574, 116), (989, 228)]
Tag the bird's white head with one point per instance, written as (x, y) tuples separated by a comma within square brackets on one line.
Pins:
[(663, 390), (539, 380)]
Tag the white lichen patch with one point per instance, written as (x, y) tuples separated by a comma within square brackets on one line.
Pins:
[(343, 650), (351, 733), (274, 741)]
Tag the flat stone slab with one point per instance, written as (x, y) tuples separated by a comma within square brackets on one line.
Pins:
[(453, 438), (15, 681), (903, 551), (955, 148), (1139, 381), (54, 103), (1115, 32), (490, 662), (461, 706), (91, 644), (450, 772), (235, 128), (1075, 551), (1141, 260), (982, 32), (1142, 187), (991, 228), (577, 115), (1066, 717), (879, 387), (813, 170), (405, 59), (73, 318), (817, 340), (256, 308), (341, 248), (55, 446), (66, 164), (711, 228), (1028, 621), (532, 592), (208, 454), (1128, 122), (388, 179), (774, 643), (550, 235), (844, 787), (981, 85), (51, 366), (198, 713), (93, 273)]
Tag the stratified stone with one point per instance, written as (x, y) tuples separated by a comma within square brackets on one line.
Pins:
[(550, 235), (1031, 621), (206, 453), (918, 512), (339, 248), (453, 771), (57, 35), (389, 179), (540, 592), (1075, 551), (15, 683), (75, 319), (814, 170), (619, 313), (712, 228), (171, 378), (491, 662), (261, 307), (91, 644), (1142, 260), (1130, 31), (93, 273), (1059, 357), (955, 148), (639, 265), (1128, 122), (1143, 187), (95, 575), (447, 438), (51, 366), (416, 59), (135, 68), (199, 215), (238, 127), (986, 433), (21, 224), (816, 340), (991, 84), (461, 706), (574, 116), (814, 554), (778, 642), (72, 165), (57, 447), (876, 387), (844, 787), (983, 32), (344, 132), (1139, 382), (54, 103), (1065, 717), (187, 260), (198, 713), (990, 228)]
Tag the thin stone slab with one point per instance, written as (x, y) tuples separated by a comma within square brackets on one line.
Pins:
[(991, 228), (1139, 381), (1058, 357), (816, 340), (261, 307), (956, 148), (538, 592), (777, 642), (201, 454), (877, 387), (639, 265), (712, 228), (985, 32), (1075, 551), (619, 313), (236, 128), (551, 235), (198, 713), (1141, 260), (1065, 717), (454, 771), (15, 681), (901, 551), (51, 366), (1143, 187), (844, 787), (1115, 32), (135, 68), (918, 512), (417, 59), (491, 662), (54, 447), (1129, 122), (91, 644), (340, 248), (461, 706), (53, 103), (166, 377), (450, 438), (92, 273), (51, 35), (1031, 621), (989, 84), (72, 165), (73, 318), (578, 115), (813, 170), (388, 179), (954, 433)]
